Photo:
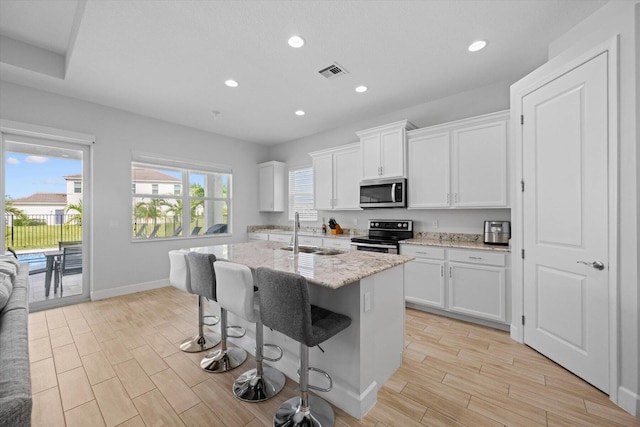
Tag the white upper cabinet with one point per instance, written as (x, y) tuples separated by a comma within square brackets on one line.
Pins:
[(336, 178), (428, 183), (462, 164), (383, 150), (271, 177), (480, 169)]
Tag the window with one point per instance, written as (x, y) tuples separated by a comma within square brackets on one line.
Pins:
[(77, 186), (301, 194), (160, 207)]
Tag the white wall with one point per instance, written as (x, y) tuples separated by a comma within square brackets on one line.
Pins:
[(623, 18), (117, 261), (483, 100)]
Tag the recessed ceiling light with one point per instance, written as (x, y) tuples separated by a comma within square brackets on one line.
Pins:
[(477, 45), (361, 89), (296, 41), (231, 83), (300, 113)]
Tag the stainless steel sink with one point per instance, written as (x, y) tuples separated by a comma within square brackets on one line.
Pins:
[(314, 250)]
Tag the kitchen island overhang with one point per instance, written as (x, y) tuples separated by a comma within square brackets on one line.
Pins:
[(366, 286)]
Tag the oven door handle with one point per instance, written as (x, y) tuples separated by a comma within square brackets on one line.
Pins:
[(373, 245), (393, 192)]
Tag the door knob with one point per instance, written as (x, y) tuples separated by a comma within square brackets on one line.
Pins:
[(595, 264)]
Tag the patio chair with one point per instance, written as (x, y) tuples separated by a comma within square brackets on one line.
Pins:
[(71, 262), (178, 231), (62, 245), (216, 229), (196, 230), (141, 230), (155, 231)]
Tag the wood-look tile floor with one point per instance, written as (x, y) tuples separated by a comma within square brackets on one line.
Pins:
[(116, 362)]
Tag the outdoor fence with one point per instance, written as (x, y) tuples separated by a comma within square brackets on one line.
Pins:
[(40, 231)]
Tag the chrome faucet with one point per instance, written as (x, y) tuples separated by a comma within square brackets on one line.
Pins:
[(296, 226)]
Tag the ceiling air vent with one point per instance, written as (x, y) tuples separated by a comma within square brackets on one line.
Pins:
[(333, 70)]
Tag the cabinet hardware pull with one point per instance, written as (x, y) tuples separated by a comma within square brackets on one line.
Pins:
[(450, 268), (422, 253), (456, 197), (475, 257), (442, 271), (448, 198)]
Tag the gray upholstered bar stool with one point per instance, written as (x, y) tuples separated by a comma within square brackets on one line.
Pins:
[(285, 307), (237, 295), (180, 278), (225, 359)]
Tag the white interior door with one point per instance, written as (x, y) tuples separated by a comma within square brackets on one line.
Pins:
[(565, 207)]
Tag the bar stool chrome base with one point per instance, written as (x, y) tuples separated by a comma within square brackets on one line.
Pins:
[(223, 360), (252, 387), (291, 414), (198, 343)]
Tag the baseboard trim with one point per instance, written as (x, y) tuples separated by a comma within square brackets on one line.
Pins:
[(129, 289), (629, 401)]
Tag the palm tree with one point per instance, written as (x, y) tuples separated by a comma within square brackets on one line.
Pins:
[(150, 210), (77, 217), (10, 209)]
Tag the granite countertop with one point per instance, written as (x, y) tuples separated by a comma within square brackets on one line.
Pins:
[(348, 234), (331, 271), (455, 244)]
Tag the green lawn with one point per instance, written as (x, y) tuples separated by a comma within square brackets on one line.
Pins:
[(41, 236)]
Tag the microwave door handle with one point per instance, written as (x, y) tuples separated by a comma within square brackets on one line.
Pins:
[(393, 192)]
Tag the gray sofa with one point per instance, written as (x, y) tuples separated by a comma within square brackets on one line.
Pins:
[(15, 375)]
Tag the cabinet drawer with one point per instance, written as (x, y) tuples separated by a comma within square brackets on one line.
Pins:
[(420, 251), (310, 241), (257, 236), (478, 257), (344, 244), (286, 238)]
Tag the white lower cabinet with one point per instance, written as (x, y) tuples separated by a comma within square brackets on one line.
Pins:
[(467, 282), (477, 290), (253, 236), (277, 237), (342, 243), (309, 241)]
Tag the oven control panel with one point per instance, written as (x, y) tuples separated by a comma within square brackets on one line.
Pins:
[(393, 225)]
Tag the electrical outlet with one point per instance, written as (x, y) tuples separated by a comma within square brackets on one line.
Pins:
[(367, 301)]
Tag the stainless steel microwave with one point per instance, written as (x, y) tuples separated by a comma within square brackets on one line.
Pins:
[(383, 193)]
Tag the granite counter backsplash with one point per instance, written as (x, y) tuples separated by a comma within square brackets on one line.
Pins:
[(454, 241)]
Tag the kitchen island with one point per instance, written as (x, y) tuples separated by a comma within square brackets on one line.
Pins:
[(366, 286)]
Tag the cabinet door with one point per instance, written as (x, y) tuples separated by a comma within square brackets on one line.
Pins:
[(424, 282), (346, 179), (323, 182), (477, 290), (370, 149), (266, 174), (480, 165), (429, 171), (392, 153), (310, 241)]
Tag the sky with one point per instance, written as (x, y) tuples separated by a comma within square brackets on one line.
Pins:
[(29, 174)]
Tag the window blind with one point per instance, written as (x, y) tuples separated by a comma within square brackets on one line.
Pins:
[(301, 194)]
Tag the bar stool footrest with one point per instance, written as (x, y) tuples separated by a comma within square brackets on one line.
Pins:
[(270, 359), (316, 388), (243, 331), (215, 321)]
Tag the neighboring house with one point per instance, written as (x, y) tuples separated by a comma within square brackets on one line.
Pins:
[(151, 181), (48, 205), (145, 181)]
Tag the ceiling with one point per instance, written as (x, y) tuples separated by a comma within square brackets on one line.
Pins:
[(169, 59)]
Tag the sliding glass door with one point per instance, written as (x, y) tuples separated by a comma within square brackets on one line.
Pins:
[(46, 220)]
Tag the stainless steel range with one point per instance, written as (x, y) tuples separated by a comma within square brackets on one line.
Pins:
[(384, 236)]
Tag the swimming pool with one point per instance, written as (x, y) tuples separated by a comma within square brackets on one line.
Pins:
[(36, 260)]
